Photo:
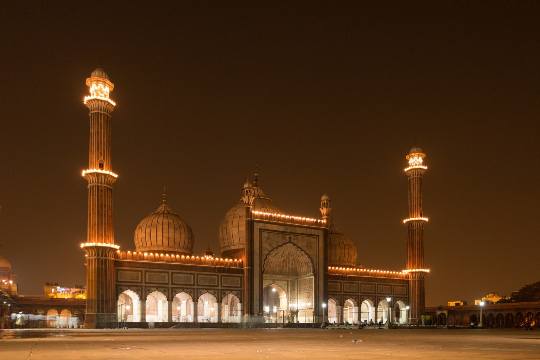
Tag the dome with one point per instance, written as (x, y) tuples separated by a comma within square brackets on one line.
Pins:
[(341, 250), (232, 231), (163, 231), (5, 264)]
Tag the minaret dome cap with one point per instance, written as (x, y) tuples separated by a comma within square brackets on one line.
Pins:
[(416, 150), (99, 76), (415, 153), (99, 72)]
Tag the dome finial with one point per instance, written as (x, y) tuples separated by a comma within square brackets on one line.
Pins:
[(256, 176), (164, 195)]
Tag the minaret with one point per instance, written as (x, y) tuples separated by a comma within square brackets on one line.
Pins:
[(326, 209), (99, 246), (415, 243)]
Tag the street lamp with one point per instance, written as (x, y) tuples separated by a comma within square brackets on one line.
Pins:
[(482, 303), (323, 308), (408, 317), (389, 301)]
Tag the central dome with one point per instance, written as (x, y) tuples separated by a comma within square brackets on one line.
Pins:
[(163, 231), (232, 231)]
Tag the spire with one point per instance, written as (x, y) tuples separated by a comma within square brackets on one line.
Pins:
[(164, 195), (164, 206), (256, 177)]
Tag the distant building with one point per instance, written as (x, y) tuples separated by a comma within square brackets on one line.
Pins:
[(7, 278), (55, 291), (59, 307), (500, 315), (490, 298), (457, 303)]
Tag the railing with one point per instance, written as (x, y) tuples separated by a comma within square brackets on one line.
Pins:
[(178, 259)]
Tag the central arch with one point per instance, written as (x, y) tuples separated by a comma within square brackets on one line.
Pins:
[(275, 303), (288, 285)]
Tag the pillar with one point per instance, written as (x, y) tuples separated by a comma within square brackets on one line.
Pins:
[(100, 246), (415, 229)]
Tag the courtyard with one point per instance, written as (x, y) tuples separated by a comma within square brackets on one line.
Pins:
[(269, 344)]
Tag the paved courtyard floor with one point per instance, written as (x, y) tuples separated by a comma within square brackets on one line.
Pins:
[(310, 344)]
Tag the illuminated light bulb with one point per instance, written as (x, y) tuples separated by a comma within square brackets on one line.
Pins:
[(416, 219), (98, 244), (406, 271), (99, 171)]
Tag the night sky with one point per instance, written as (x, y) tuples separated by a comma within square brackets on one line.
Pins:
[(319, 98)]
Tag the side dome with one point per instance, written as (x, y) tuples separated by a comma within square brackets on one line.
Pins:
[(5, 265), (232, 230), (163, 231), (341, 250)]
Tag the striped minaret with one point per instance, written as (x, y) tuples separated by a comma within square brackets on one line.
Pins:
[(415, 243), (99, 246)]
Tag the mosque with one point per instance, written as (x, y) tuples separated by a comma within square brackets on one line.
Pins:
[(273, 267)]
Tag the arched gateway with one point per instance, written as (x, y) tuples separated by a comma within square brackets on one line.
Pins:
[(288, 285)]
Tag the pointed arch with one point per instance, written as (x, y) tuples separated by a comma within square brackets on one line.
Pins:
[(332, 311), (52, 318), (367, 311), (157, 307), (400, 313), (350, 312), (288, 259), (207, 308), (382, 311), (231, 309), (129, 306), (182, 308)]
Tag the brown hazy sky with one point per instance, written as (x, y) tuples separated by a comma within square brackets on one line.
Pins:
[(322, 98)]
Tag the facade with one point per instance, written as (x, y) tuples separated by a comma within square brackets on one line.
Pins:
[(274, 267)]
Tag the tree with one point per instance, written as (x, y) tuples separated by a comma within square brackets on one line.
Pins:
[(527, 293)]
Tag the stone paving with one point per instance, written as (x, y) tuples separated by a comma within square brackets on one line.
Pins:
[(269, 344)]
